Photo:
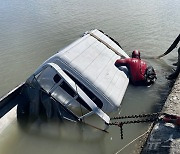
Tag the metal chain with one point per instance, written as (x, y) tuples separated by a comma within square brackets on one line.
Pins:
[(121, 130), (132, 121), (151, 118), (138, 116)]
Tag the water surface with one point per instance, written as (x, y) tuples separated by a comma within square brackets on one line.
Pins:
[(32, 31)]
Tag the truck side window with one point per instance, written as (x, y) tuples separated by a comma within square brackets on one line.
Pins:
[(81, 101), (67, 88), (93, 97)]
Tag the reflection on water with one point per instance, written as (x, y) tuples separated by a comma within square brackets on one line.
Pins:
[(57, 137), (31, 31)]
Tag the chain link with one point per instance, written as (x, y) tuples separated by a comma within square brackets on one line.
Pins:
[(138, 116), (147, 118), (132, 122), (121, 131)]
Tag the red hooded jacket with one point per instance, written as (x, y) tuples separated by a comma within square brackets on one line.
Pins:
[(136, 67)]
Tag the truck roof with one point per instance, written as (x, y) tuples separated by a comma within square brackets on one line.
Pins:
[(90, 60)]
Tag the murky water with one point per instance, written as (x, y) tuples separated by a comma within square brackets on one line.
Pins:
[(31, 31)]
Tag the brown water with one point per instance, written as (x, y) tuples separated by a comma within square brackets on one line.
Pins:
[(31, 31)]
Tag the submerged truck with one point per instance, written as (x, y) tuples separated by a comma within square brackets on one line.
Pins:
[(76, 82)]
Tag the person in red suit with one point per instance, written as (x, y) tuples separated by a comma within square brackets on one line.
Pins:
[(139, 72)]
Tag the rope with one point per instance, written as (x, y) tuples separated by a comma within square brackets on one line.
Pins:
[(135, 139), (106, 44), (96, 127)]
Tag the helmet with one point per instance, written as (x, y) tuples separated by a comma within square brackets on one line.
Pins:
[(136, 54), (150, 75)]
